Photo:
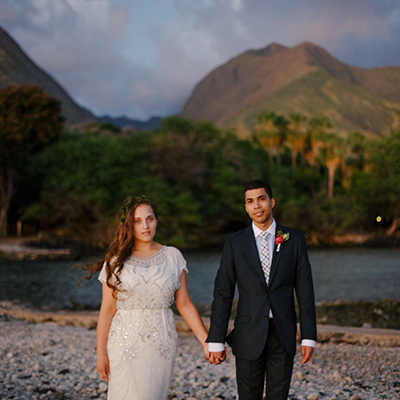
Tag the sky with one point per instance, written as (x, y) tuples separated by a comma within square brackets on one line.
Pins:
[(143, 58)]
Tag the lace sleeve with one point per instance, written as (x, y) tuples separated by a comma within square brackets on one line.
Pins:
[(182, 263), (103, 274), (178, 259)]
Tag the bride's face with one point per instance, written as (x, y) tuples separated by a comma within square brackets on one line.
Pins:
[(144, 223)]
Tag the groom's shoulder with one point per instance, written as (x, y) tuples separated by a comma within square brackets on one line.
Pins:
[(292, 231), (239, 234)]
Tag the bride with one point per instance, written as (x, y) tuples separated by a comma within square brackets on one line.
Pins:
[(136, 334)]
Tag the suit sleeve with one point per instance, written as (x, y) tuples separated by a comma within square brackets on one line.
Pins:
[(224, 291), (305, 293)]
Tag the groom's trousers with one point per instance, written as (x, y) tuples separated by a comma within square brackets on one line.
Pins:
[(274, 364)]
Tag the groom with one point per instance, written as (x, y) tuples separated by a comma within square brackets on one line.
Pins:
[(268, 262)]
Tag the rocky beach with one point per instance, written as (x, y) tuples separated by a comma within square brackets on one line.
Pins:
[(50, 354), (49, 360)]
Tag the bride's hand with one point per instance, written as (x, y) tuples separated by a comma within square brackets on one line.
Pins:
[(206, 352), (103, 366)]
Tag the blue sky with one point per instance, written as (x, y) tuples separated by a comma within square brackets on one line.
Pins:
[(143, 57)]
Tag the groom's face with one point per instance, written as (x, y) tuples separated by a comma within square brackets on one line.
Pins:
[(259, 207)]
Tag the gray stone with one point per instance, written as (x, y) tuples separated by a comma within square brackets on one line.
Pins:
[(338, 371), (103, 387)]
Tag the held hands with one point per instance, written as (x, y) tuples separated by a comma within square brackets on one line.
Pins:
[(103, 366), (216, 357), (306, 352)]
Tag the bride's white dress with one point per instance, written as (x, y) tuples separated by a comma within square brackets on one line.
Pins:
[(141, 343)]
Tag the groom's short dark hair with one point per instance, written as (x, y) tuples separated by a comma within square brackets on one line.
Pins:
[(258, 184)]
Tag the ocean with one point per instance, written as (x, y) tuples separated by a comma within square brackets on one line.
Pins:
[(348, 274)]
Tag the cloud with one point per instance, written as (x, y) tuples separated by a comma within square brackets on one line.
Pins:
[(209, 33), (336, 25), (77, 41), (142, 59)]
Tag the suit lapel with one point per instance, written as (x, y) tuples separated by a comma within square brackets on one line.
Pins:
[(277, 256), (253, 252)]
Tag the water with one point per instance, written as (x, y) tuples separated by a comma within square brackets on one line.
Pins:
[(356, 274)]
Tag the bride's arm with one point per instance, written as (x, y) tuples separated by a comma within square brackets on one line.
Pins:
[(107, 312), (189, 312)]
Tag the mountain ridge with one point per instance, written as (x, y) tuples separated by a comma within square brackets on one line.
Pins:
[(243, 82), (17, 68), (136, 124)]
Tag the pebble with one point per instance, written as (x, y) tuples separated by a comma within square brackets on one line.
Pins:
[(47, 362)]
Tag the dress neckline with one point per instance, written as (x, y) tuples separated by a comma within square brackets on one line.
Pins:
[(148, 258)]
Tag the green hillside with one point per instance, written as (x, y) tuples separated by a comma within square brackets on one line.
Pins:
[(305, 79), (349, 107)]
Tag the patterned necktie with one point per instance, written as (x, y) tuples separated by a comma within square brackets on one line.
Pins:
[(265, 261)]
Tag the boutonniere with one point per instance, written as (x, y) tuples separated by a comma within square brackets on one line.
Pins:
[(280, 238)]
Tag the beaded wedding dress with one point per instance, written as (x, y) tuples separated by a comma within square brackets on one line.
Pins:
[(141, 343)]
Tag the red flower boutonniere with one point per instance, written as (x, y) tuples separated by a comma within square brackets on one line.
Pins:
[(280, 238)]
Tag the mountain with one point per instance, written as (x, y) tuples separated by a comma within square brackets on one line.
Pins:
[(17, 68), (305, 79), (137, 125)]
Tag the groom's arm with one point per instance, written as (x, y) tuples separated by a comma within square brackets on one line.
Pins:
[(224, 290), (305, 297)]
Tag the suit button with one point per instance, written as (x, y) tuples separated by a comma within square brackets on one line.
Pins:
[(265, 317)]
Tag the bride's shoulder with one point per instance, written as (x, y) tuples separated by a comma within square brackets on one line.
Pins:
[(173, 251)]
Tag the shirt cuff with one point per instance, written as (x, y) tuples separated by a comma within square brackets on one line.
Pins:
[(215, 347), (308, 342)]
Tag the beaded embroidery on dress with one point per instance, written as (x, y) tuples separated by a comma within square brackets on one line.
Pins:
[(141, 343)]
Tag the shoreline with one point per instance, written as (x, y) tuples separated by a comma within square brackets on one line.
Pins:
[(35, 248), (16, 249), (88, 320)]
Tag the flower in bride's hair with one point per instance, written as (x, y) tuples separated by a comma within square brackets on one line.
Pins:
[(125, 209)]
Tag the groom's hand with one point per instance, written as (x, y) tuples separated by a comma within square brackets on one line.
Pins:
[(306, 352), (217, 357)]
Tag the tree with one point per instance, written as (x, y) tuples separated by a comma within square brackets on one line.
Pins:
[(379, 187), (196, 156), (318, 128), (296, 136), (331, 154), (265, 134), (29, 120), (354, 159), (271, 132), (281, 124)]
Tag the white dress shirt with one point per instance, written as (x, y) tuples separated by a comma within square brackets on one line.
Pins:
[(271, 239)]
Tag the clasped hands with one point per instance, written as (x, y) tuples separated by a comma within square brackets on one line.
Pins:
[(216, 357)]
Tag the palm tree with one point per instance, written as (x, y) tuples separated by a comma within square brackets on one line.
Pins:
[(296, 138), (331, 154), (265, 133), (318, 128), (280, 135), (265, 120), (355, 156)]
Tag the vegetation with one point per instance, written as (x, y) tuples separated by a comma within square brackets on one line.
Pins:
[(29, 121), (17, 68), (324, 184)]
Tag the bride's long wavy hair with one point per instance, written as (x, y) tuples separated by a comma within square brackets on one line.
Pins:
[(121, 247)]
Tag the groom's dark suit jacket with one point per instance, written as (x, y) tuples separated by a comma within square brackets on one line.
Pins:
[(290, 271)]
